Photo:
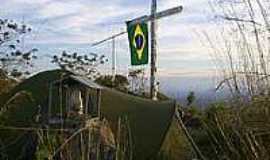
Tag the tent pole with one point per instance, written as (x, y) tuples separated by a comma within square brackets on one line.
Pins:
[(189, 137)]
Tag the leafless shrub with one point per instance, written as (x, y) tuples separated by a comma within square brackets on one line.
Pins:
[(241, 48)]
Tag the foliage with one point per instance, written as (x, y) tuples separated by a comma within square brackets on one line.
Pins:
[(120, 82), (14, 60), (80, 64), (193, 111), (5, 83), (216, 107), (94, 141), (191, 98), (124, 148), (221, 137), (241, 51), (137, 81)]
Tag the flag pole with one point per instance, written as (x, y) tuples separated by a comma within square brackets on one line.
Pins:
[(113, 60), (153, 88)]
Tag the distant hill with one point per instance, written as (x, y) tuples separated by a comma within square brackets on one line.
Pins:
[(178, 87)]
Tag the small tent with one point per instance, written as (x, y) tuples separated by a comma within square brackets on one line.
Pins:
[(152, 123)]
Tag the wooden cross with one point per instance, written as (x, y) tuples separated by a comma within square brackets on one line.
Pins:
[(152, 18), (146, 18)]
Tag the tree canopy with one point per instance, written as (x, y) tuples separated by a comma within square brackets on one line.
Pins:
[(15, 61)]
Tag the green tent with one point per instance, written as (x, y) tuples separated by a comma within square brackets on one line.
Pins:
[(152, 123)]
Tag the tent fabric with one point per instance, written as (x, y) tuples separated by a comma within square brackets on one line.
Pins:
[(149, 120)]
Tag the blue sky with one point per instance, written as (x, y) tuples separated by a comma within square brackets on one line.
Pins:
[(75, 24)]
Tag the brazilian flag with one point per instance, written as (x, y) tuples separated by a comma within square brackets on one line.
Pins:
[(138, 43)]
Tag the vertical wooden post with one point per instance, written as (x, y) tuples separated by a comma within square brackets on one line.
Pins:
[(86, 108), (50, 101), (113, 60), (146, 18), (60, 91), (98, 103), (118, 140), (153, 91)]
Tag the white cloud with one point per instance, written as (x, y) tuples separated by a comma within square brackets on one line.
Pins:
[(86, 21), (59, 9)]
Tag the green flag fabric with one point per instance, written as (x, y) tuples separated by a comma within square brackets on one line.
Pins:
[(138, 43)]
